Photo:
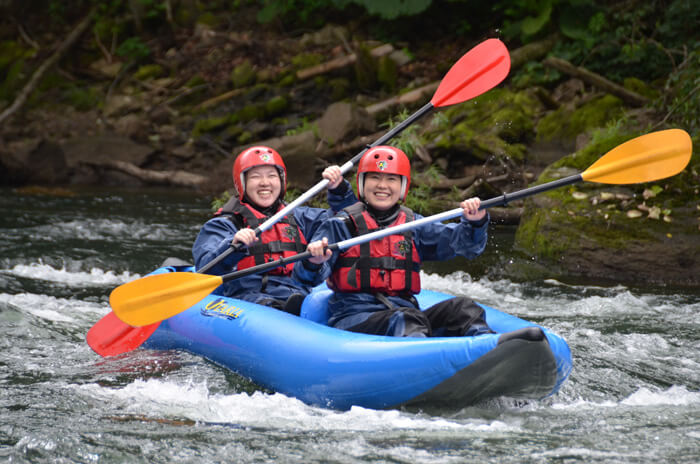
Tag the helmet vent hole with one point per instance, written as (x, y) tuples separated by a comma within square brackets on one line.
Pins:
[(376, 156), (391, 157)]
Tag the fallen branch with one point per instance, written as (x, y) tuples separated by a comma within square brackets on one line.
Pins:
[(341, 62), (179, 178), (532, 52), (410, 97), (25, 36), (219, 98), (596, 80), (39, 73)]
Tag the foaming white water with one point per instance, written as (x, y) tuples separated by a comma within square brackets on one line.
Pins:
[(96, 277), (51, 308), (559, 299), (275, 411), (103, 229), (461, 284), (674, 396)]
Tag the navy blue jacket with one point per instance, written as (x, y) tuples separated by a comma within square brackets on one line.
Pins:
[(216, 236)]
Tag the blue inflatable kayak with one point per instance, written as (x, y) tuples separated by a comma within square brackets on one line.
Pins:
[(304, 358)]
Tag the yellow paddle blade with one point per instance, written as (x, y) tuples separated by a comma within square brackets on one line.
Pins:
[(157, 297), (643, 159)]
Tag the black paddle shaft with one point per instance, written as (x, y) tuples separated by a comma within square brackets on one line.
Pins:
[(508, 197)]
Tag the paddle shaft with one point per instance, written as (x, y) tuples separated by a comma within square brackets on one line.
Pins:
[(320, 186), (444, 216)]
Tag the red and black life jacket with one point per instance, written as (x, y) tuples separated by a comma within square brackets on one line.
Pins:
[(283, 239), (390, 265)]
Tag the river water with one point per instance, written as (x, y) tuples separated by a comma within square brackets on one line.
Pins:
[(633, 395)]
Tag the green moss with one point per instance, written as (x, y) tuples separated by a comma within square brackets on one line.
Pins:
[(306, 60), (494, 123), (83, 98), (209, 19), (387, 73), (250, 112), (245, 137), (11, 52), (13, 80), (365, 69), (339, 88), (233, 130), (556, 224), (638, 86), (265, 75), (564, 123), (480, 144), (195, 81), (276, 105), (287, 80), (530, 238), (209, 124), (149, 71), (243, 75)]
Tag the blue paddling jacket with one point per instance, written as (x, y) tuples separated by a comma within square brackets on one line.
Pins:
[(216, 236)]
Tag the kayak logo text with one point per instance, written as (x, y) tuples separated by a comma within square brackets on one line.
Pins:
[(219, 308)]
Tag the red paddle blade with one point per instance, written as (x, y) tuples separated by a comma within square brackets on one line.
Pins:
[(480, 69), (110, 336)]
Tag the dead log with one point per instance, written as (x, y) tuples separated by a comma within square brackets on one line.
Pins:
[(532, 52), (408, 98), (52, 60), (219, 98), (341, 62), (148, 176), (596, 80)]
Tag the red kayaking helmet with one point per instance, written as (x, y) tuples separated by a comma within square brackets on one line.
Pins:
[(388, 160), (257, 156)]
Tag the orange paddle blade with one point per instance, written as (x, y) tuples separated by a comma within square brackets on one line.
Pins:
[(646, 158), (160, 296), (480, 69), (110, 336)]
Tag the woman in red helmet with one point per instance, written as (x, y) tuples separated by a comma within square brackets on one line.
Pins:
[(374, 283), (260, 176)]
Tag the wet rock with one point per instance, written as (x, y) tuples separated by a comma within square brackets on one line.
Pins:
[(343, 120), (36, 161), (106, 147)]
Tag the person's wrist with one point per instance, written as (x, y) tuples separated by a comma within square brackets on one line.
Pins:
[(340, 189), (310, 266)]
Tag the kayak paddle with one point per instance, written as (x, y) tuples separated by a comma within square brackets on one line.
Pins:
[(646, 158), (477, 71), (110, 336)]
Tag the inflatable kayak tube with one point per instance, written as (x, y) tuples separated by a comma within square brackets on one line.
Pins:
[(303, 358)]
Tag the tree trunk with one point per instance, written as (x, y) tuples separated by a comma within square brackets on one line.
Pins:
[(597, 80)]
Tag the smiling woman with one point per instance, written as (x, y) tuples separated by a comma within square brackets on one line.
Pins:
[(263, 186), (260, 178)]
